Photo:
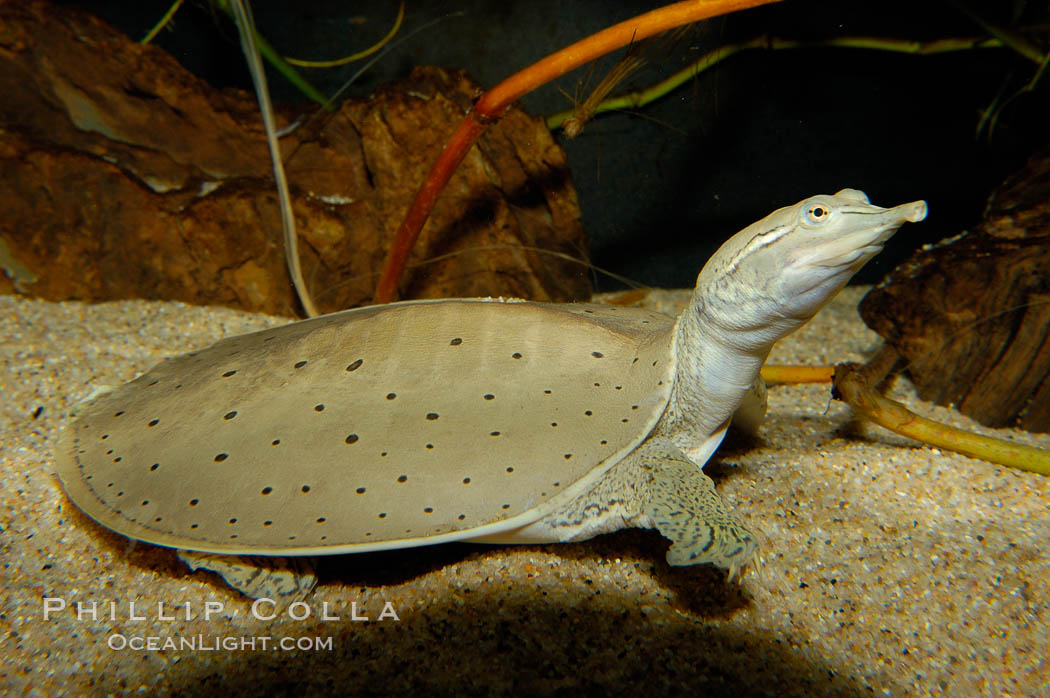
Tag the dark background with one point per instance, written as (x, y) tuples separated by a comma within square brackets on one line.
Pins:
[(661, 190)]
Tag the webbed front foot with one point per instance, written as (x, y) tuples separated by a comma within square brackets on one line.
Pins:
[(684, 506)]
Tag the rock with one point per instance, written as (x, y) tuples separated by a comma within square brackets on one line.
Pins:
[(124, 176)]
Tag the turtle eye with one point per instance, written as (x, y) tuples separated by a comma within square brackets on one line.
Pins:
[(816, 213)]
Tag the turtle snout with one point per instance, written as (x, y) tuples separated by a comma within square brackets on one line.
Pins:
[(913, 212)]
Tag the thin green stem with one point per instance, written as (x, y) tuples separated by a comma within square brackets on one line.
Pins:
[(640, 98), (279, 64), (1010, 39), (162, 23)]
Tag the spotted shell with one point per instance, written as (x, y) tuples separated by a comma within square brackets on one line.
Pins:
[(375, 428)]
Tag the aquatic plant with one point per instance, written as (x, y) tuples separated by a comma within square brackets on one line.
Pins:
[(491, 106)]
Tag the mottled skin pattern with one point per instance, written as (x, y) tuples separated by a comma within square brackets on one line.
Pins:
[(659, 487), (281, 579), (683, 505)]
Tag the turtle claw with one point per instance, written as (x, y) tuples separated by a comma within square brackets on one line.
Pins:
[(283, 580), (684, 506)]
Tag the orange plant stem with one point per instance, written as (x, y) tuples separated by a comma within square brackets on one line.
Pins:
[(495, 102)]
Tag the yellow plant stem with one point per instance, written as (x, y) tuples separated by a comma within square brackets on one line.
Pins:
[(354, 56), (775, 375), (855, 385), (152, 34)]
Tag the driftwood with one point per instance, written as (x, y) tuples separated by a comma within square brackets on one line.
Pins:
[(972, 315), (122, 175)]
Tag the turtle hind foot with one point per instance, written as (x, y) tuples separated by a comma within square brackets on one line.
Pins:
[(684, 506), (283, 580)]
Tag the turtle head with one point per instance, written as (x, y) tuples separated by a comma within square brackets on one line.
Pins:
[(777, 273)]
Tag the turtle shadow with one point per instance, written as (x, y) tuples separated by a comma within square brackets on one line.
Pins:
[(736, 443), (589, 638), (700, 590), (703, 591), (502, 642), (143, 556), (499, 644), (395, 567)]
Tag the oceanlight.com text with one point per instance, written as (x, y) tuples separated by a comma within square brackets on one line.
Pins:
[(218, 643)]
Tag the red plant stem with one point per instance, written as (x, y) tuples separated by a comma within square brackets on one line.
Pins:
[(451, 155), (495, 102)]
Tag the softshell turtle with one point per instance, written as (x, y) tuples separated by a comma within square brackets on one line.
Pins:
[(431, 421)]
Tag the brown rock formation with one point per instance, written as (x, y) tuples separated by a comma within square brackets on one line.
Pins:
[(125, 176)]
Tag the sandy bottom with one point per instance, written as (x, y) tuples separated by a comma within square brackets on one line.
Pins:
[(889, 568)]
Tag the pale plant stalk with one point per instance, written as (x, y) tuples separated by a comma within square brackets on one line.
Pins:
[(246, 28)]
